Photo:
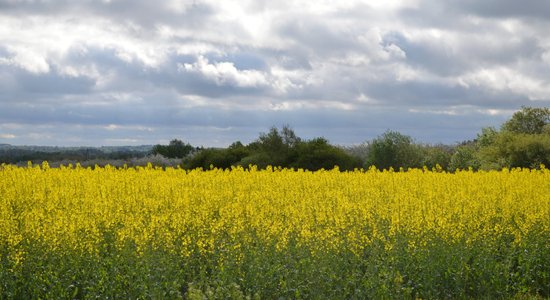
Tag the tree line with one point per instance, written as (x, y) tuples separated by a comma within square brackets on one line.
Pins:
[(22, 154), (522, 141), (280, 148)]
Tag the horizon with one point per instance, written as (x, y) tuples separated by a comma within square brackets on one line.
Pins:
[(132, 72), (225, 146)]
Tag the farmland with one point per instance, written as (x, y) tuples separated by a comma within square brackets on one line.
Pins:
[(147, 232)]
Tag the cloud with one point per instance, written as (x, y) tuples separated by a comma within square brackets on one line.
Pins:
[(7, 136), (504, 8), (27, 60), (225, 73), (141, 72)]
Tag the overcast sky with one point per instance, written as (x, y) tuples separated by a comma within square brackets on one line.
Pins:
[(131, 72)]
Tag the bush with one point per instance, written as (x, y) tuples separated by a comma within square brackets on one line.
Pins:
[(219, 158), (176, 149), (319, 154)]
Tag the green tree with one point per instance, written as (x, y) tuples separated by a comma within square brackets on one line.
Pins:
[(175, 149), (218, 157), (523, 141), (238, 151), (289, 137), (318, 154), (278, 147), (395, 150), (512, 150), (205, 158), (487, 136), (528, 120), (464, 157), (436, 155), (259, 159)]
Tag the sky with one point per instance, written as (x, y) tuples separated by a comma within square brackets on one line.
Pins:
[(134, 72)]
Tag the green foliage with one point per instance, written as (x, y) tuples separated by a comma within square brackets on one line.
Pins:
[(318, 153), (512, 150), (524, 141), (487, 136), (37, 154), (220, 158), (528, 120), (463, 158), (436, 155), (259, 159), (176, 149), (281, 148), (272, 141), (394, 150), (207, 157)]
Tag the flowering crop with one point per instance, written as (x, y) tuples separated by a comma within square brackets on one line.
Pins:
[(74, 232)]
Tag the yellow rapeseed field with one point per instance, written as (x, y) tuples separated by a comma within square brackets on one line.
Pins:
[(371, 233)]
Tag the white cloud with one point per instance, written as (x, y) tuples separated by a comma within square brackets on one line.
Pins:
[(362, 98), (507, 79), (225, 73), (26, 59), (376, 50), (7, 136), (111, 127)]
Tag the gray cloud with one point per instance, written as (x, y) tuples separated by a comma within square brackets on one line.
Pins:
[(146, 13), (504, 8), (138, 72)]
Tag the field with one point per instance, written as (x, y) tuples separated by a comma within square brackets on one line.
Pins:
[(82, 233)]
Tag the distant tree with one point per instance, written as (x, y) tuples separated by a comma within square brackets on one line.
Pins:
[(290, 139), (523, 141), (464, 157), (278, 147), (528, 120), (283, 148), (486, 137), (395, 150), (360, 151), (513, 150), (436, 155), (259, 159), (318, 154), (175, 149), (271, 141), (218, 157), (238, 151)]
